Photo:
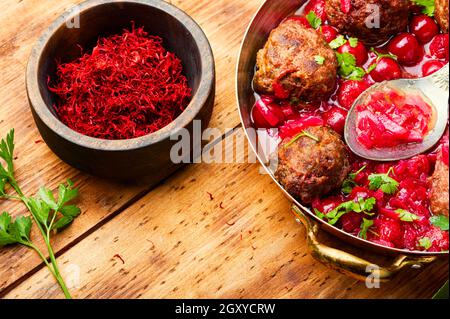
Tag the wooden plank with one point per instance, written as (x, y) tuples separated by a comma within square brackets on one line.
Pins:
[(177, 243), (22, 22)]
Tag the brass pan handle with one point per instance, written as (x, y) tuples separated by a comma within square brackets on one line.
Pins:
[(349, 264)]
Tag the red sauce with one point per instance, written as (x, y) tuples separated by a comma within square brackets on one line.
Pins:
[(389, 118), (407, 113)]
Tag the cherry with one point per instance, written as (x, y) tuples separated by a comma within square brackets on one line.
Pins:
[(266, 114), (330, 33), (349, 91), (431, 66), (424, 28), (318, 7), (335, 118), (359, 52), (386, 69), (439, 46), (407, 49), (301, 20)]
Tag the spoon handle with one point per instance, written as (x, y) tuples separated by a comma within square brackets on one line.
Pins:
[(440, 78)]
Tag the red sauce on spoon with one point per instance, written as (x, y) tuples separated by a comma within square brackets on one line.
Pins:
[(391, 117)]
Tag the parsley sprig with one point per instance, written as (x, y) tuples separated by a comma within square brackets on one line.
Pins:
[(361, 206), (384, 182), (313, 20), (348, 68), (49, 214), (365, 225), (440, 221), (428, 6), (349, 183)]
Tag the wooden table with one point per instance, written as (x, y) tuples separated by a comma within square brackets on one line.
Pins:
[(175, 241)]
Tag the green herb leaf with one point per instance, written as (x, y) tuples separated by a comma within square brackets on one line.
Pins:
[(313, 20), (338, 42), (384, 182), (298, 136), (425, 242), (353, 42), (14, 232), (365, 225), (406, 216), (40, 210), (428, 6), (62, 223), (47, 196), (66, 193), (440, 221), (2, 187), (348, 68), (21, 228), (319, 213), (6, 153), (362, 206), (349, 183), (319, 59), (357, 74), (367, 205)]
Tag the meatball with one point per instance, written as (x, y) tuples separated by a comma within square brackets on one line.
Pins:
[(439, 189), (361, 19), (441, 14), (310, 168), (298, 61)]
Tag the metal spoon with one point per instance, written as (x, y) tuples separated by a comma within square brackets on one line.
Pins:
[(434, 88)]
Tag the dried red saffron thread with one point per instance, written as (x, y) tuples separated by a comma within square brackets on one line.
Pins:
[(129, 86), (120, 258)]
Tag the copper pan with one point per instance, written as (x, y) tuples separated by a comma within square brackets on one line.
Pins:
[(271, 13)]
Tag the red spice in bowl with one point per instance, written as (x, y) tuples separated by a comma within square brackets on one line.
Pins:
[(128, 86)]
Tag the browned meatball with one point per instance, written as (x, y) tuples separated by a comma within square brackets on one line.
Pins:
[(308, 168), (359, 21), (441, 14), (439, 189), (299, 60)]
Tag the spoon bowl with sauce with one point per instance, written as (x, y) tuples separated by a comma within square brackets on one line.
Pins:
[(399, 119)]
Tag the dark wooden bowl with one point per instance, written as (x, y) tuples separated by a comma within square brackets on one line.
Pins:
[(147, 156)]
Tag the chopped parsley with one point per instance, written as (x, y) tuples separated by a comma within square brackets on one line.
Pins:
[(406, 216), (348, 68), (319, 59), (440, 221), (365, 225), (425, 242), (428, 6), (361, 206), (338, 42), (313, 20), (349, 183), (353, 42), (384, 182)]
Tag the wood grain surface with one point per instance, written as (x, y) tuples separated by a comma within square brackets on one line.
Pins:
[(174, 240)]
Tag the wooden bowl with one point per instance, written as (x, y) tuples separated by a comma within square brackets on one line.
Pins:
[(149, 155)]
